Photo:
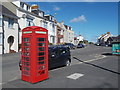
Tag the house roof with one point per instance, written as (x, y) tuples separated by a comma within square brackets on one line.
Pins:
[(115, 39), (8, 13), (61, 26)]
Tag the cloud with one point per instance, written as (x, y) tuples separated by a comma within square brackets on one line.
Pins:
[(81, 18), (56, 8)]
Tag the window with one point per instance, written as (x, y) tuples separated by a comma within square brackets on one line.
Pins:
[(10, 22), (53, 27), (30, 22), (41, 23), (21, 4), (41, 14), (45, 25), (1, 37), (28, 8)]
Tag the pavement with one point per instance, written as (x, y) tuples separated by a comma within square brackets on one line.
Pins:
[(98, 69)]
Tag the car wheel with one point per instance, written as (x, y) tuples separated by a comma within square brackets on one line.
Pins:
[(68, 63)]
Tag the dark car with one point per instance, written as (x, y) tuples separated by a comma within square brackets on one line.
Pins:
[(70, 45), (103, 44), (57, 56), (80, 45)]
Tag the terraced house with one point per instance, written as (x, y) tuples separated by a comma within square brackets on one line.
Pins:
[(33, 16), (17, 15)]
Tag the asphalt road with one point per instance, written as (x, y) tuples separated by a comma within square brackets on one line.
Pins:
[(99, 70)]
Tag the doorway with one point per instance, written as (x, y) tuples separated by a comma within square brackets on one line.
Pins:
[(10, 42)]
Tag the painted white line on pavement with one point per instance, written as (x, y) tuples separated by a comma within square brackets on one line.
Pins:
[(75, 76), (102, 56)]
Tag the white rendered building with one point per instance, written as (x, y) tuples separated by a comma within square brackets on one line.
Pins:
[(8, 28), (68, 35), (32, 16)]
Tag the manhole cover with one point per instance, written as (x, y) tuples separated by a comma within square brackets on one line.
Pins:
[(75, 76)]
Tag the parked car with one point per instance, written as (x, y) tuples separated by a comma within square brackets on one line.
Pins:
[(70, 45), (102, 44), (57, 56), (80, 45)]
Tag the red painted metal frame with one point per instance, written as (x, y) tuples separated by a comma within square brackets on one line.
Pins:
[(36, 70)]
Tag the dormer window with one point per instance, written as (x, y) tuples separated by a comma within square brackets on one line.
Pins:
[(21, 4), (28, 8), (41, 14)]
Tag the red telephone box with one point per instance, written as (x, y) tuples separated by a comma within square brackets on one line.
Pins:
[(34, 55)]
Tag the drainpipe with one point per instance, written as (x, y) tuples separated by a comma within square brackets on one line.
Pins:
[(3, 36)]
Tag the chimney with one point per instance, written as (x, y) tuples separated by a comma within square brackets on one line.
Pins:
[(108, 32), (34, 9)]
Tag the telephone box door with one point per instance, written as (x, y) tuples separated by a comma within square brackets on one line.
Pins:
[(26, 58), (41, 57)]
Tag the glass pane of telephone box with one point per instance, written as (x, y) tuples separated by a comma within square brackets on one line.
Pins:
[(41, 44), (41, 49), (40, 39), (26, 39), (26, 73), (26, 44), (41, 72), (26, 54), (41, 53), (26, 48), (41, 58), (26, 58), (26, 68), (41, 67), (39, 63), (26, 63)]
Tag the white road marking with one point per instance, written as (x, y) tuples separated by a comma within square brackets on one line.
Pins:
[(98, 58), (75, 76), (102, 56)]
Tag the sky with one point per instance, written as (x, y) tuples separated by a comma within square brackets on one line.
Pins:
[(89, 19)]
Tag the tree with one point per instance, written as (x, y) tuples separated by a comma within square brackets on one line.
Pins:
[(80, 41), (85, 41)]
